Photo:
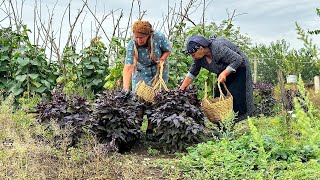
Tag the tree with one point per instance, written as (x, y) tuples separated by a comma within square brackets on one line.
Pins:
[(269, 59), (309, 55)]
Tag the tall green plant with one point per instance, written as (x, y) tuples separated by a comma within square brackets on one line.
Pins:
[(69, 75), (311, 64), (31, 71), (113, 80), (307, 41), (9, 41), (93, 65), (307, 120)]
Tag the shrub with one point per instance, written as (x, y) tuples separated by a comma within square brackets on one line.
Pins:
[(178, 118), (115, 120), (263, 99), (67, 113)]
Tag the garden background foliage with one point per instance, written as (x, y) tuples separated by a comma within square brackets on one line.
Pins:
[(50, 107)]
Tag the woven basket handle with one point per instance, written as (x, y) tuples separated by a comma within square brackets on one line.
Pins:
[(222, 96), (160, 82), (156, 77), (225, 87)]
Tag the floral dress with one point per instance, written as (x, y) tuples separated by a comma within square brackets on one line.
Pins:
[(146, 68)]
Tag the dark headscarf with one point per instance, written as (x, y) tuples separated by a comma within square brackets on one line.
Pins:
[(195, 42)]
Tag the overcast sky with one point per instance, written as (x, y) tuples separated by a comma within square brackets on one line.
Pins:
[(263, 21)]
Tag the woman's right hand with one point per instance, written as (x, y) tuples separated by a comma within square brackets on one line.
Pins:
[(186, 82), (222, 78), (161, 62)]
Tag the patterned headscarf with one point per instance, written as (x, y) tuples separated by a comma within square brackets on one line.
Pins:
[(144, 28), (195, 42)]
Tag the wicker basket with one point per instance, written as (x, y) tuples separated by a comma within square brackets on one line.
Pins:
[(219, 108), (148, 93)]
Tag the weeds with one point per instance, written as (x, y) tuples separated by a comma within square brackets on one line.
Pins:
[(32, 154), (152, 152), (257, 148), (271, 148)]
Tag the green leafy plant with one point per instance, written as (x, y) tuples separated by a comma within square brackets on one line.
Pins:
[(26, 66), (294, 62), (152, 152), (118, 51), (93, 65), (274, 147), (9, 41), (114, 78), (33, 73)]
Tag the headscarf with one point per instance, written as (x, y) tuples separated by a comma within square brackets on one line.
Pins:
[(195, 42), (144, 28)]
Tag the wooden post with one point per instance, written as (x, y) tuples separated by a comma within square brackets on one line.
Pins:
[(255, 70), (317, 84), (283, 96)]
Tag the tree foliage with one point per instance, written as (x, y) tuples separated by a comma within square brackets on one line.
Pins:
[(24, 67), (269, 58)]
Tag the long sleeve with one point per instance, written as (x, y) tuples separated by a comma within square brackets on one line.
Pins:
[(228, 56), (194, 70)]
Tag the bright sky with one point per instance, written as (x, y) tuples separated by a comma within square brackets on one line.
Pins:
[(263, 21)]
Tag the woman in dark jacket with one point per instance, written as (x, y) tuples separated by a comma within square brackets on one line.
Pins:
[(224, 58)]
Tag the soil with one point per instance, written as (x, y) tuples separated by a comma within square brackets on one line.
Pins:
[(152, 169)]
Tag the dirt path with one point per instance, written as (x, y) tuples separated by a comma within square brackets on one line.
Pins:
[(151, 161)]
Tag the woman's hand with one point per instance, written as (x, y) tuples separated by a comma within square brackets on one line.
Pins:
[(186, 82), (222, 78), (161, 61)]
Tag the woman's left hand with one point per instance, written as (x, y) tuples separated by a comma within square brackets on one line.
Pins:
[(222, 78)]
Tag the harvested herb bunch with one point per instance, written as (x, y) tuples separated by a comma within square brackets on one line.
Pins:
[(70, 113), (116, 120), (178, 119)]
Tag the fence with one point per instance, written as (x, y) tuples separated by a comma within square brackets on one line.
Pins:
[(259, 60)]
